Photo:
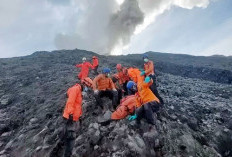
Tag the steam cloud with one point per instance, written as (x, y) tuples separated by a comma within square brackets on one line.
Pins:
[(106, 26), (123, 24)]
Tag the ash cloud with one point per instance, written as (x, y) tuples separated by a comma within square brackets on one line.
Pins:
[(123, 24), (106, 27)]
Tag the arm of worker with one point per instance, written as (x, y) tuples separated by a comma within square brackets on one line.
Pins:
[(79, 65)]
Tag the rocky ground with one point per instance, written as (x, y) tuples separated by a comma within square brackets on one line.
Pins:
[(198, 121)]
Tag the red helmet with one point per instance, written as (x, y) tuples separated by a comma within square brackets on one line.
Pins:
[(94, 57), (119, 66)]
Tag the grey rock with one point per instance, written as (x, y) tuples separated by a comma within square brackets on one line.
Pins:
[(5, 100), (34, 87), (6, 134), (105, 118), (38, 148), (9, 145), (193, 124), (33, 120), (96, 147), (230, 124)]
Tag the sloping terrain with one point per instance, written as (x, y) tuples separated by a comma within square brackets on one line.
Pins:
[(213, 68), (33, 95)]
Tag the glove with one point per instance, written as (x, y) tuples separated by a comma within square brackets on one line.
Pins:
[(114, 89), (142, 73), (96, 92), (132, 117), (147, 79)]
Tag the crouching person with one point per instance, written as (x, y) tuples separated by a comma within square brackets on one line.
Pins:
[(72, 114), (103, 86), (149, 102)]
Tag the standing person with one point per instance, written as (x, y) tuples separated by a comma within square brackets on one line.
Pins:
[(148, 101), (123, 77), (84, 69), (72, 114), (103, 86), (95, 64), (149, 70)]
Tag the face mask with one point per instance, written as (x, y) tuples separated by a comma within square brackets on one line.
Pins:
[(146, 60), (107, 74)]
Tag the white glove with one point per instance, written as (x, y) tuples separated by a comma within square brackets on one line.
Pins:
[(114, 89), (96, 92)]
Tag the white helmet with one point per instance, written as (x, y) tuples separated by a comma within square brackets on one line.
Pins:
[(83, 59)]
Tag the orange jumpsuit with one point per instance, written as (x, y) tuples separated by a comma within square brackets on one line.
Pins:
[(73, 104), (150, 103), (145, 93), (84, 69), (126, 107), (123, 77), (103, 83), (134, 75)]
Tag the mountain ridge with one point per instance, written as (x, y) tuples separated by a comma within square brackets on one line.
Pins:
[(33, 95)]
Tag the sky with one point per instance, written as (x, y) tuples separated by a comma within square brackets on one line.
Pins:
[(195, 27)]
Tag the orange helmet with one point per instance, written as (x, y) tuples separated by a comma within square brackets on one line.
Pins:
[(119, 66)]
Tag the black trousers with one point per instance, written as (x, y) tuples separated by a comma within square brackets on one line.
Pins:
[(125, 88), (69, 137), (113, 95), (153, 88), (146, 111), (95, 70), (119, 96)]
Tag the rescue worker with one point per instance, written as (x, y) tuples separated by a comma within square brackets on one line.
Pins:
[(149, 102), (72, 114), (95, 65), (134, 75), (149, 70), (84, 69), (103, 86), (123, 77)]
